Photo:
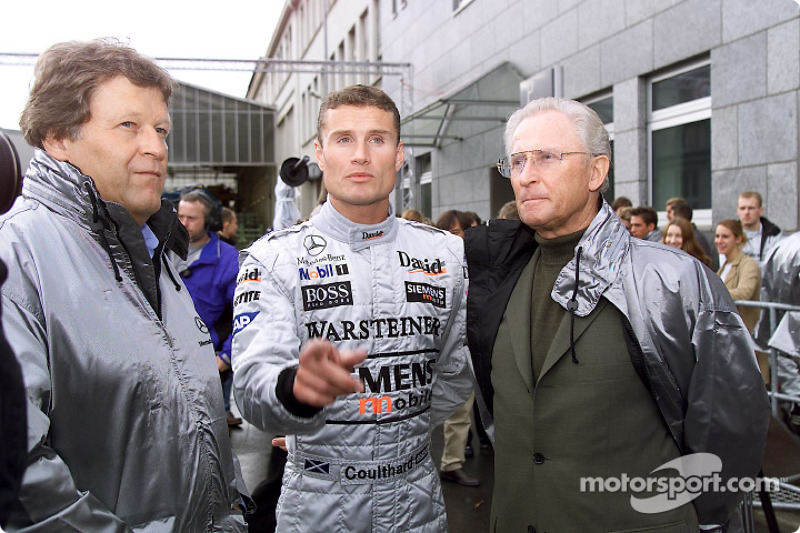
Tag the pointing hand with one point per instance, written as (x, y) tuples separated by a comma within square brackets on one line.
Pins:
[(324, 373)]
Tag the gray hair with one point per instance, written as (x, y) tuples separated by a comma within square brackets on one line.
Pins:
[(590, 129)]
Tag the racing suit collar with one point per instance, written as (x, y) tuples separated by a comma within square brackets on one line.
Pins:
[(358, 236)]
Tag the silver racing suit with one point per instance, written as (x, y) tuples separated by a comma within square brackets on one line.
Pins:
[(396, 289)]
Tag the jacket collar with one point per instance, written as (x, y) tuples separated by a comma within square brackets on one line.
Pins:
[(211, 251), (359, 236), (768, 227), (734, 263), (63, 189), (604, 247)]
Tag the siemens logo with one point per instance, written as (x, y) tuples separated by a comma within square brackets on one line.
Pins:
[(422, 292), (404, 376), (327, 295)]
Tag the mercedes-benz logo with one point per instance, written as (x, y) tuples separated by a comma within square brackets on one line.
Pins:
[(200, 325), (314, 244)]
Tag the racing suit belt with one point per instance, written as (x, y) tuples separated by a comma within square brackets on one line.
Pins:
[(360, 473)]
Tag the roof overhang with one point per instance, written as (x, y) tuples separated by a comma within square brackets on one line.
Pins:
[(489, 100)]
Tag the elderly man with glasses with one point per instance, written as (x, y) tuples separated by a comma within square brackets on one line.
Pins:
[(603, 358)]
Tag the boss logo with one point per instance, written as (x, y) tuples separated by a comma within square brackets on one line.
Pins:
[(327, 295)]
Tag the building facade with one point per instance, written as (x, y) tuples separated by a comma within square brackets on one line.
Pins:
[(309, 32), (700, 96)]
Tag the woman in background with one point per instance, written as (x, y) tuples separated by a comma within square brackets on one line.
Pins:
[(740, 272), (679, 234)]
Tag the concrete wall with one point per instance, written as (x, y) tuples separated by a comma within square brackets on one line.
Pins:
[(615, 45), (599, 46), (302, 38)]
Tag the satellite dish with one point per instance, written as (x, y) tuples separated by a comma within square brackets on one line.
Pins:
[(294, 171), (10, 173)]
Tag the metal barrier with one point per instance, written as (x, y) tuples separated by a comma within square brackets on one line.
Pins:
[(788, 495), (773, 354)]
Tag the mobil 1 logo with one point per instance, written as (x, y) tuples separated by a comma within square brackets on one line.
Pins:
[(326, 295)]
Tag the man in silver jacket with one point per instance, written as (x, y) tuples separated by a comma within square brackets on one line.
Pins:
[(780, 283), (349, 337), (126, 428), (603, 358)]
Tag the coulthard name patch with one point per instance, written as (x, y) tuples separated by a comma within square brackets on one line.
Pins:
[(377, 472)]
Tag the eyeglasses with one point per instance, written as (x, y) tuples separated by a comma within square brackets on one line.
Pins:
[(511, 167)]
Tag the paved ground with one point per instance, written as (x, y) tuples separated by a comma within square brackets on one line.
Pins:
[(468, 508)]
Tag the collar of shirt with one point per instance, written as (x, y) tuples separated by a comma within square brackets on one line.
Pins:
[(150, 239)]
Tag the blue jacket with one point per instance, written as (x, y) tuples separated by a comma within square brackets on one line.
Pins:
[(211, 282)]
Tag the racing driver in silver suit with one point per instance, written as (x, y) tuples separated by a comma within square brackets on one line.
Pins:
[(349, 338)]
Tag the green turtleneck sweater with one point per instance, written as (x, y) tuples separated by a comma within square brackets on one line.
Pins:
[(549, 259)]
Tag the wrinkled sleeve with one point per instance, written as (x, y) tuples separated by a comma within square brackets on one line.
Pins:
[(49, 498), (266, 349), (727, 410), (454, 383)]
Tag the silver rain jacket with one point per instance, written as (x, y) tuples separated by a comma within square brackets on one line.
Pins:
[(396, 289), (698, 356), (780, 283), (126, 429)]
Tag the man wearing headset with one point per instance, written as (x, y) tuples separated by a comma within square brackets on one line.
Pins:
[(209, 272)]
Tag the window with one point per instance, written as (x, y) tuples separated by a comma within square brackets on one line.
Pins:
[(305, 106), (425, 181), (410, 199), (679, 131), (603, 105), (350, 51), (363, 30)]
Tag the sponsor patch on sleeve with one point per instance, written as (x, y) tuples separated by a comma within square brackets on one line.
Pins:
[(243, 320)]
